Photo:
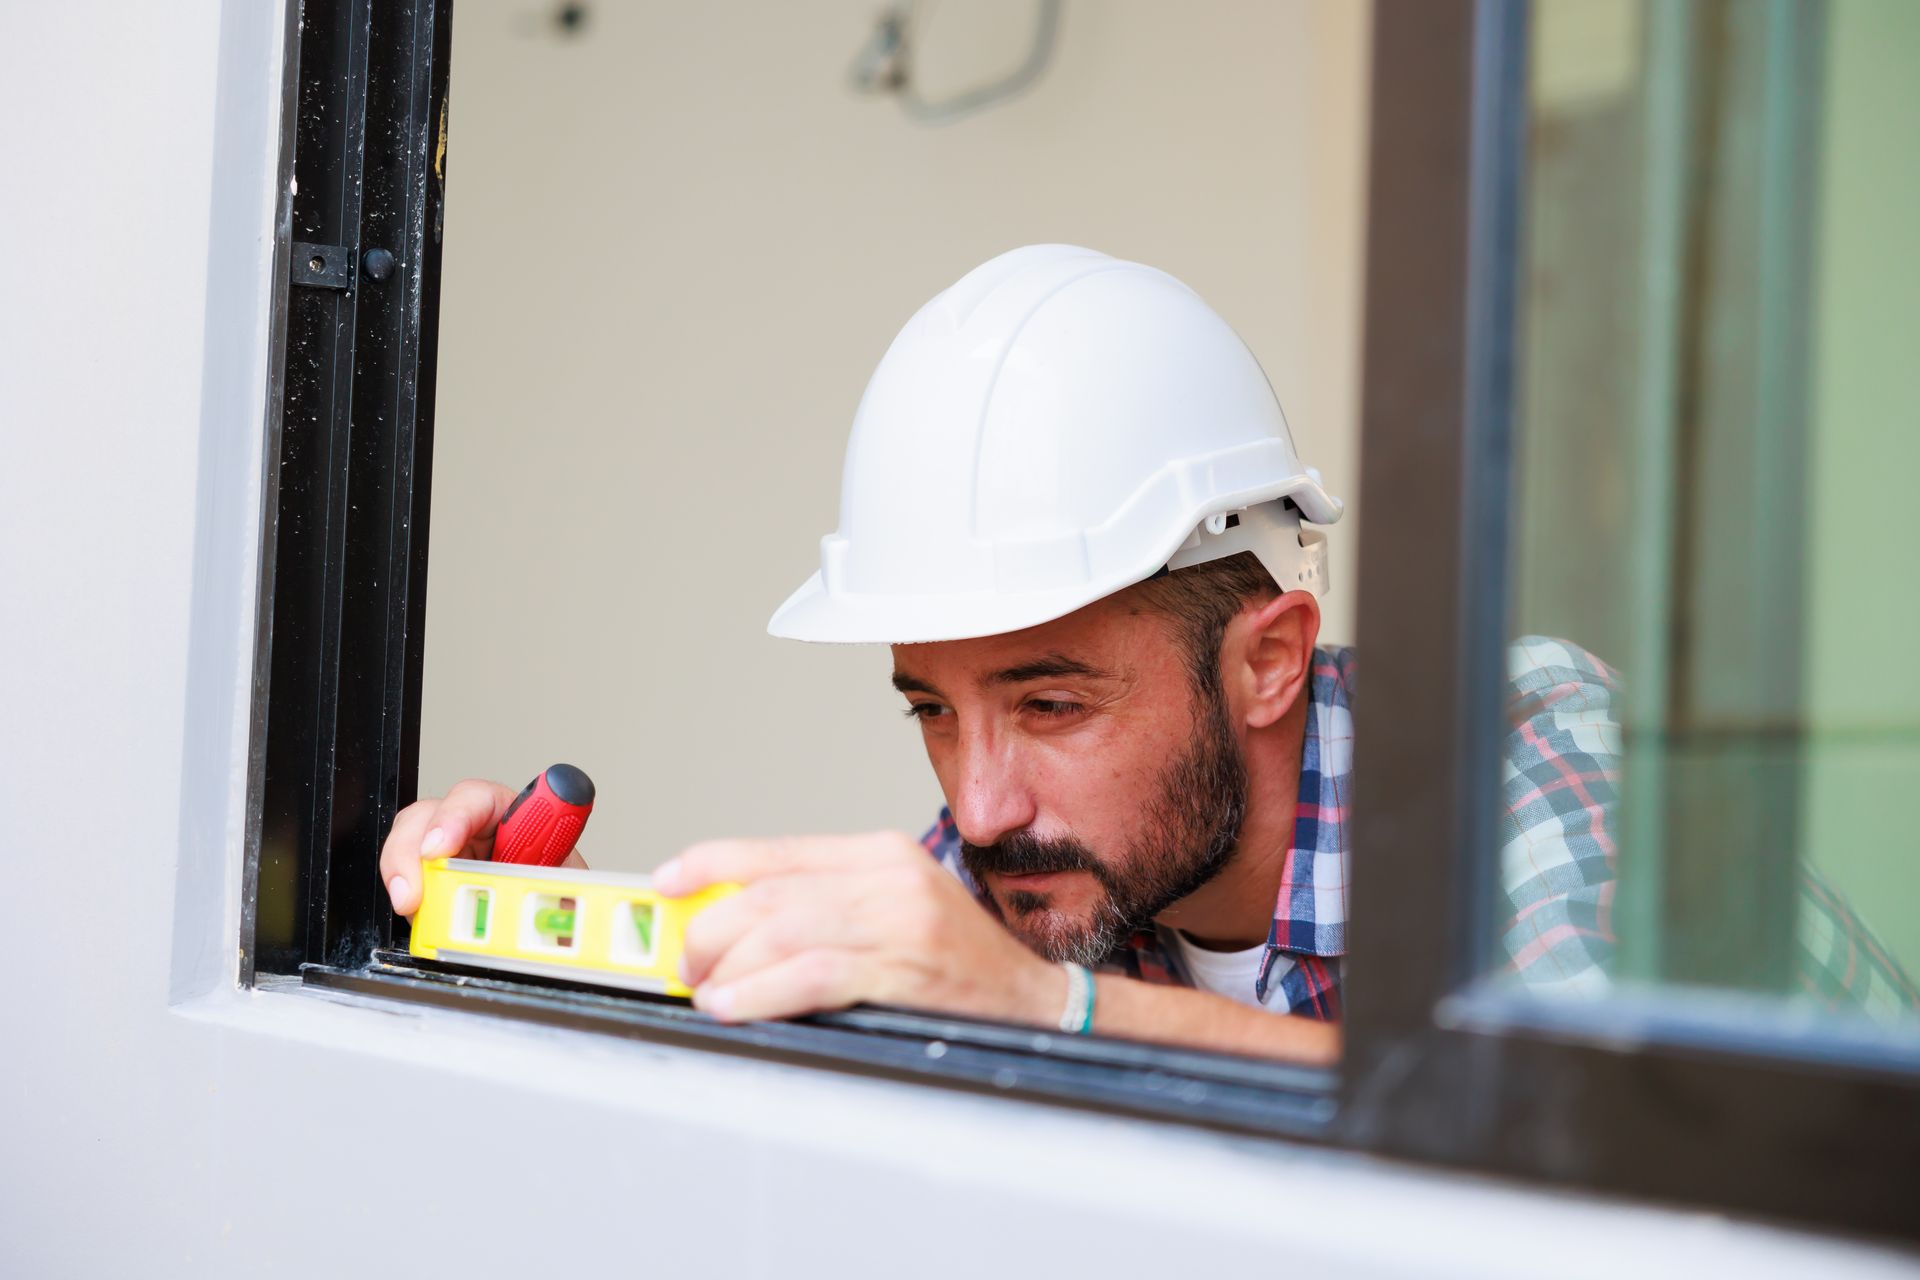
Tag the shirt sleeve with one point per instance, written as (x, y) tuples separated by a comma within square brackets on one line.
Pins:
[(1560, 791), (1840, 963), (1560, 784)]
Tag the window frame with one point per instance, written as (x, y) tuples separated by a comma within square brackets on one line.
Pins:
[(335, 727), (1678, 1097), (334, 744), (335, 723)]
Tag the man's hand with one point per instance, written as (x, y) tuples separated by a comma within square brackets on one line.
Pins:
[(829, 921), (459, 824)]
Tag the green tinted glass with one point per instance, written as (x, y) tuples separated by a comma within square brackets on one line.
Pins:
[(1714, 725)]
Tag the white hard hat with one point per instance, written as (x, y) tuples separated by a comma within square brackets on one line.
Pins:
[(1056, 426)]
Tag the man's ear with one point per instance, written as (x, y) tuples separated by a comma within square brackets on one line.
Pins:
[(1272, 655)]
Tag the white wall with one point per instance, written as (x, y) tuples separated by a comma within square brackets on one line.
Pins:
[(675, 247), (154, 1121)]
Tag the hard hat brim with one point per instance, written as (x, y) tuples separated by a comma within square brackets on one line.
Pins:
[(813, 613)]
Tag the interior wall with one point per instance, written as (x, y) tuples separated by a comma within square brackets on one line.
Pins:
[(676, 244)]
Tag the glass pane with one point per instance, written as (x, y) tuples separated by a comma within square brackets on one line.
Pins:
[(1715, 711)]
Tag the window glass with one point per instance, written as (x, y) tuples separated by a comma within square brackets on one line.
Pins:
[(1713, 720)]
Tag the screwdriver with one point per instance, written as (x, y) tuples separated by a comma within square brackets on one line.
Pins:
[(541, 826)]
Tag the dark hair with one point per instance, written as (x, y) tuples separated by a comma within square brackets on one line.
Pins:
[(1200, 601)]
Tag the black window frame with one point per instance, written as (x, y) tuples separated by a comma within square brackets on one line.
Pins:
[(335, 736), (1437, 1068)]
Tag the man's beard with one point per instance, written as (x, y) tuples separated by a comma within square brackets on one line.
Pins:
[(1186, 836)]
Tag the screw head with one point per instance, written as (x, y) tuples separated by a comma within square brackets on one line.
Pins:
[(379, 263)]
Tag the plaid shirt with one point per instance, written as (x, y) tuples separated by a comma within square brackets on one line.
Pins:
[(1559, 786)]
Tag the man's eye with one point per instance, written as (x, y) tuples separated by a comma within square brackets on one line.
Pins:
[(1051, 707), (925, 711)]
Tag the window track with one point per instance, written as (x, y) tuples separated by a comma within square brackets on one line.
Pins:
[(1247, 1095)]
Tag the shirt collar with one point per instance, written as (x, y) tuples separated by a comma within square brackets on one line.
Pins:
[(1310, 913)]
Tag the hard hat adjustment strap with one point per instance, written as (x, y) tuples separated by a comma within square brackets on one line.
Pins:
[(1296, 556)]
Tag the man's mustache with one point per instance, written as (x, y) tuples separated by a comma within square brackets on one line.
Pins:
[(1021, 854)]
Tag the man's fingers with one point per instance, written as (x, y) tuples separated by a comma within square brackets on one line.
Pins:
[(772, 920), (400, 856), (466, 816), (461, 822), (716, 930), (812, 981), (745, 861)]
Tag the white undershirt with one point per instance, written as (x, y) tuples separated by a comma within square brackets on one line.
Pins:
[(1226, 973)]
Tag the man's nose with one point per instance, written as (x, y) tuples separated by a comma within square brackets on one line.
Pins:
[(991, 798)]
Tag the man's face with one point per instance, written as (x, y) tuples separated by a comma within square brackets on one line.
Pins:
[(1093, 786)]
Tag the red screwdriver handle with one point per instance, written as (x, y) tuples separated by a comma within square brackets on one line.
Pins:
[(543, 823)]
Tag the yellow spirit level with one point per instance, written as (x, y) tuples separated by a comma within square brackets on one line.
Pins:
[(605, 927)]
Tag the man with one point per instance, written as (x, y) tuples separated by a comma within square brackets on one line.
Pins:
[(1072, 506)]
